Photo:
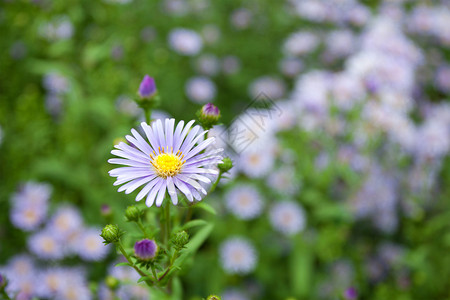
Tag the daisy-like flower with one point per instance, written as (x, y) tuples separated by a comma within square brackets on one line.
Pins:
[(46, 245), (65, 221), (244, 202), (172, 159), (51, 281), (90, 245), (287, 217), (238, 256)]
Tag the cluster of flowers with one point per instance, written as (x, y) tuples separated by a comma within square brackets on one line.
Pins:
[(381, 82), (53, 238)]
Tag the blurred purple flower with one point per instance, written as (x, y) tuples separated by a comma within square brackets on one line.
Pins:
[(350, 294)]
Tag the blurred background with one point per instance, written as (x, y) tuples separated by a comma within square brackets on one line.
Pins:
[(341, 183)]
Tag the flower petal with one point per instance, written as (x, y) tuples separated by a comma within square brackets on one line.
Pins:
[(183, 188), (161, 194), (172, 191), (151, 196)]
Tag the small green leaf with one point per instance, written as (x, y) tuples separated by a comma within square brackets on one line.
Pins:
[(123, 264), (194, 223), (145, 278), (196, 241), (206, 207)]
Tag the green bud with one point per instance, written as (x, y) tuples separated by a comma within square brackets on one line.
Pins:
[(226, 165), (132, 213), (208, 116), (111, 234), (112, 282), (213, 297), (180, 239)]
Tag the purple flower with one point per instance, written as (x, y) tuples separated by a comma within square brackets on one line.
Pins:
[(147, 87), (171, 160), (145, 249), (2, 281), (105, 210), (350, 294), (210, 110)]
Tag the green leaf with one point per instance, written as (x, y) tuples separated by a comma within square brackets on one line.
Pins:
[(177, 289), (194, 223), (194, 244), (122, 264), (301, 269), (206, 207), (145, 278)]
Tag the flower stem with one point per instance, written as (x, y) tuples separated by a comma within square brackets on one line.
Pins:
[(148, 113), (141, 226), (189, 214), (128, 258), (171, 262), (167, 224), (217, 182), (154, 273)]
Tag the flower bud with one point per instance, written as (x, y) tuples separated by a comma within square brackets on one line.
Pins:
[(350, 294), (132, 213), (147, 88), (145, 250), (180, 239), (106, 211), (208, 115), (112, 282), (111, 234), (225, 165), (213, 297)]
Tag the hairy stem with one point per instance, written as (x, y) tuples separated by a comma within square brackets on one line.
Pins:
[(216, 183), (141, 226), (148, 113), (128, 258)]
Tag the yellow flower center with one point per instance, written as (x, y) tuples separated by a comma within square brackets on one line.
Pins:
[(166, 164)]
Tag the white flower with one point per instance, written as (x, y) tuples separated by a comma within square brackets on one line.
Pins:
[(238, 256), (300, 43), (185, 41), (234, 294), (90, 246), (46, 244), (29, 205), (66, 220), (256, 163), (241, 18), (433, 139), (283, 180), (244, 202), (267, 87), (200, 90), (287, 217)]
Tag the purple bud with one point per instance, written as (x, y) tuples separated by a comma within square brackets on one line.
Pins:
[(350, 294), (210, 110), (105, 210), (145, 249), (147, 87), (2, 281)]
